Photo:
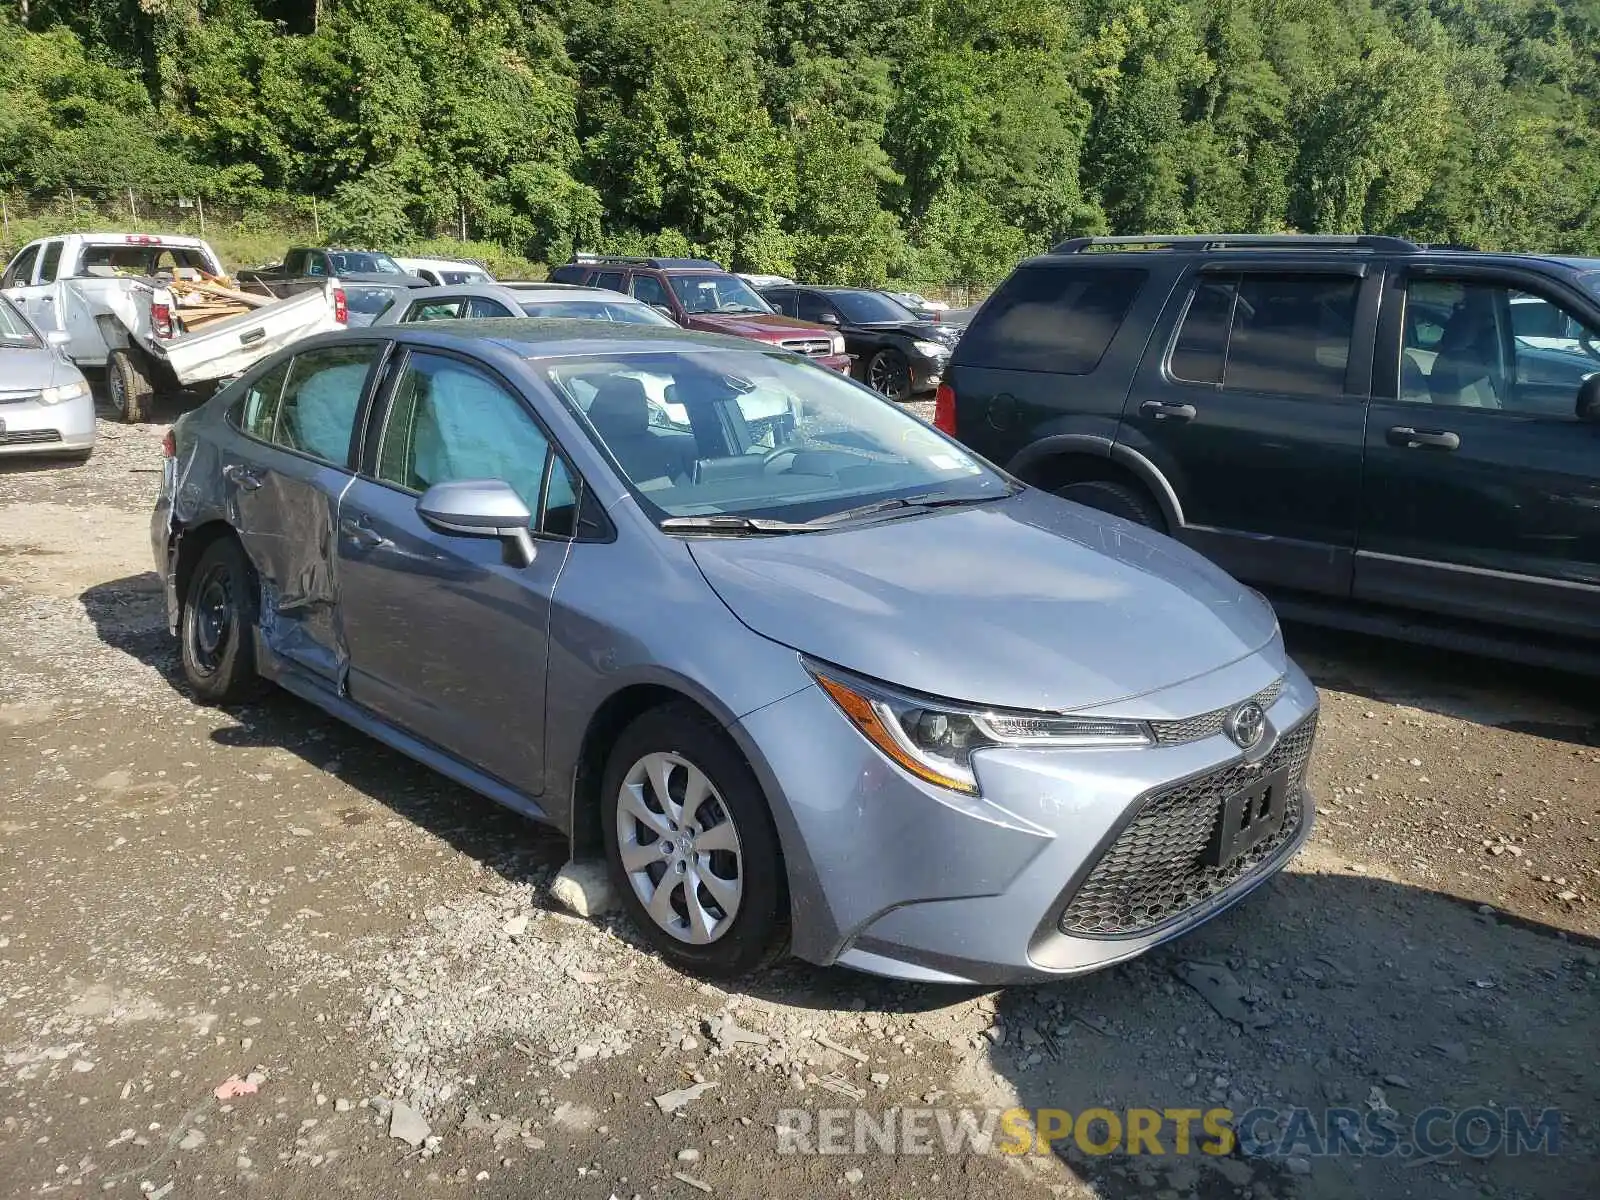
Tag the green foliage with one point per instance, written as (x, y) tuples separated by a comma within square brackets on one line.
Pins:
[(851, 141)]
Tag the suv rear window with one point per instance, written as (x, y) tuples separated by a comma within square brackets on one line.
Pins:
[(1055, 319)]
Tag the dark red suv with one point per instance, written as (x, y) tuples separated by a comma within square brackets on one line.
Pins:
[(698, 294)]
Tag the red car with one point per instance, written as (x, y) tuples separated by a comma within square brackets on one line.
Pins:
[(698, 294)]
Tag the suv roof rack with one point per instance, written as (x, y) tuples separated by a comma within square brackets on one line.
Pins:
[(624, 261), (1243, 241)]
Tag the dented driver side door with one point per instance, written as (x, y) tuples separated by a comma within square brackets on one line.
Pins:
[(283, 480)]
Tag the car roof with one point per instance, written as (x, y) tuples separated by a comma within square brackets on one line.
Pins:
[(543, 337)]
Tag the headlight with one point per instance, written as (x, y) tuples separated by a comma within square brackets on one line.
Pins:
[(935, 739), (836, 344), (67, 391), (931, 349)]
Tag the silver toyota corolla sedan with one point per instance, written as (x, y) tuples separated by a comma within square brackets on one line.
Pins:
[(810, 675), (45, 403)]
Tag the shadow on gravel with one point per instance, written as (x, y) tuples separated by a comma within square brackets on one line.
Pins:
[(1349, 993), (1507, 695)]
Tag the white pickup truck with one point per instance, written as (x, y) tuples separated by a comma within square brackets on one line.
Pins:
[(146, 308)]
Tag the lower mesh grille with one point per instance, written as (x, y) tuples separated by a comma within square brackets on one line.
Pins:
[(1155, 870), (29, 437)]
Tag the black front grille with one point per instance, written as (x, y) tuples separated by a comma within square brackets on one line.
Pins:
[(1155, 870), (29, 437)]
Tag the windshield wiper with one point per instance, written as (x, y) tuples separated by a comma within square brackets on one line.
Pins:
[(911, 505), (731, 524)]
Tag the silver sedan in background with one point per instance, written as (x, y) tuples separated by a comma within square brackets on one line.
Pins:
[(45, 403), (479, 300), (821, 683)]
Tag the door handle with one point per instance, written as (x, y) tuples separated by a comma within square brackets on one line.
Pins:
[(1417, 439), (362, 534), (1162, 411), (242, 476)]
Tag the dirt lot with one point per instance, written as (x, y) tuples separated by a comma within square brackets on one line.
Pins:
[(189, 896)]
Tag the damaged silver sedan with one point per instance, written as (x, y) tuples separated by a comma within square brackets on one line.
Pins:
[(809, 674)]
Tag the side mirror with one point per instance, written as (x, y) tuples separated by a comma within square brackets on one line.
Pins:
[(828, 319), (1588, 406), (664, 311), (59, 338), (486, 508)]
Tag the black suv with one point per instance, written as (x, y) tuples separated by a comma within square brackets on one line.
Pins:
[(1363, 426)]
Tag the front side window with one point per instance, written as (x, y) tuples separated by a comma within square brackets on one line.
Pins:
[(1055, 319), (20, 272), (650, 290), (14, 331), (317, 413), (712, 431), (1482, 344), (716, 293), (450, 421), (809, 306)]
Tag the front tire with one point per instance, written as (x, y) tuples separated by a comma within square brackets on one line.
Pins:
[(691, 845), (128, 384), (217, 629), (889, 373), (1117, 499)]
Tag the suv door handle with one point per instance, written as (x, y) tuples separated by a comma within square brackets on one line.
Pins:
[(1162, 411), (362, 534), (242, 476), (1416, 439)]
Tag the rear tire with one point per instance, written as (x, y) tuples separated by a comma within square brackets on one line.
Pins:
[(1118, 499), (712, 845), (128, 384), (217, 629)]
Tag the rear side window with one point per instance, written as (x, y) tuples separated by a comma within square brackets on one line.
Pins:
[(610, 280), (317, 413), (1055, 319), (51, 263), (443, 309), (1283, 334), (569, 273), (258, 415)]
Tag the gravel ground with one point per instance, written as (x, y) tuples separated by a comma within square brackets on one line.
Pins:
[(191, 896)]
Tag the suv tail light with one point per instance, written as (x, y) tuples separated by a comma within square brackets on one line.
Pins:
[(161, 319), (944, 409), (169, 445), (341, 307)]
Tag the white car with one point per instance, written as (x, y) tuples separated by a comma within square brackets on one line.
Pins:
[(140, 305), (444, 271), (45, 404)]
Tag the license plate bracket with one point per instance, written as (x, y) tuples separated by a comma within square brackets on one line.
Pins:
[(1249, 817)]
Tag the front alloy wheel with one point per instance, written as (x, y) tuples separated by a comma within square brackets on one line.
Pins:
[(890, 374), (691, 844), (679, 848)]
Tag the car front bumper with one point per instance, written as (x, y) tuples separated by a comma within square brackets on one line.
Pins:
[(899, 878), (33, 427)]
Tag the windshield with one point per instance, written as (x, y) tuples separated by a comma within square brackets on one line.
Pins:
[(14, 331), (361, 262), (1591, 283), (597, 310), (754, 434), (710, 293), (869, 308)]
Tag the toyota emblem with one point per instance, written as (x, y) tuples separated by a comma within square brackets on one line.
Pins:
[(1246, 725)]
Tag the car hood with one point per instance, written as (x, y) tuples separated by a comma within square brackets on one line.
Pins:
[(1029, 603), (927, 331), (769, 327), (31, 368)]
